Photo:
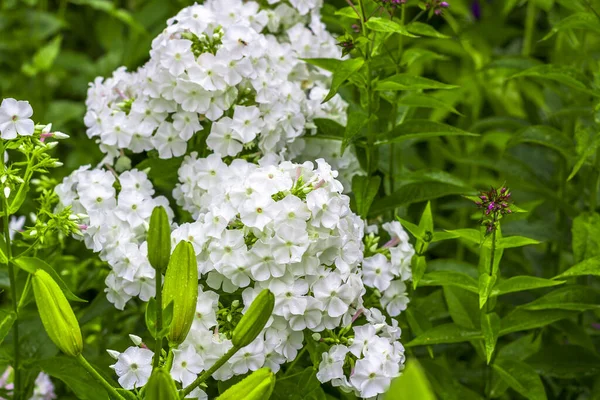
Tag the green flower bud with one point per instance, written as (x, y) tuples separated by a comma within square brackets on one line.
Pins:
[(159, 239), (181, 288), (56, 314), (254, 320), (161, 386), (256, 386)]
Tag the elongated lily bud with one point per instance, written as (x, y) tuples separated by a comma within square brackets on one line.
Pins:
[(256, 386), (181, 288), (57, 316), (161, 386), (254, 320), (159, 239)]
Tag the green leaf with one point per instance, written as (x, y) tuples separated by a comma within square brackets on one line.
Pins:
[(463, 306), (348, 12), (32, 264), (344, 70), (470, 235), (419, 28), (426, 222), (586, 236), (521, 283), (44, 58), (410, 82), (109, 7), (486, 284), (328, 64), (508, 242), (522, 320), (591, 266), (7, 319), (365, 189), (357, 120), (417, 129), (419, 265), (329, 129), (425, 101), (572, 297), (568, 76), (68, 370), (490, 326), (414, 54), (445, 333), (565, 362), (412, 384), (545, 136), (414, 192), (450, 278), (581, 20), (378, 24), (150, 317), (521, 377)]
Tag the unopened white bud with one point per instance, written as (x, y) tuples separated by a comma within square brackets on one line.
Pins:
[(73, 217), (33, 233), (47, 128), (113, 353), (6, 191), (60, 135), (51, 145), (135, 339), (57, 164), (316, 336)]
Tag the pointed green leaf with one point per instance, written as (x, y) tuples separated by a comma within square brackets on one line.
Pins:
[(508, 242), (417, 129), (486, 284), (343, 71), (357, 120), (328, 64), (445, 333), (591, 266), (412, 384), (581, 20), (463, 306), (450, 278), (425, 101), (426, 221), (566, 75), (348, 12), (410, 82), (572, 297), (522, 320), (490, 326), (365, 189), (414, 54), (32, 264), (421, 29), (378, 24), (7, 319), (521, 283), (521, 377), (565, 362), (329, 129), (419, 265), (586, 236), (545, 136)]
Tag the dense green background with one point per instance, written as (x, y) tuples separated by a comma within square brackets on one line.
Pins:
[(536, 130)]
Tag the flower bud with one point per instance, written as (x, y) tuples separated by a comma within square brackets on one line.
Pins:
[(60, 135), (254, 320), (181, 288), (159, 239), (56, 314), (161, 386), (256, 386)]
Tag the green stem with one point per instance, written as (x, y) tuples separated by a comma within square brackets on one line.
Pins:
[(293, 364), (206, 374), (12, 276), (159, 321), (488, 309), (370, 132), (92, 371), (529, 25)]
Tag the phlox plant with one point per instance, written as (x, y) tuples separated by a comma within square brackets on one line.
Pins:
[(302, 199)]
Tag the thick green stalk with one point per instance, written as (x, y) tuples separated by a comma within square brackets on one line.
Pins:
[(92, 371), (206, 374), (159, 321), (489, 309), (370, 132), (529, 26)]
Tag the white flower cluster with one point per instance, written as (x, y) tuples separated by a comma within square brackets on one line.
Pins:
[(227, 67), (376, 354), (115, 224), (43, 387), (389, 269)]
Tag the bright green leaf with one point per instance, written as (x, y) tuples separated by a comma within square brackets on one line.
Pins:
[(572, 297), (522, 320), (445, 333), (521, 283), (412, 384), (417, 129), (421, 29), (410, 82), (450, 278), (343, 71), (566, 75), (365, 189), (486, 284), (586, 236), (7, 319), (378, 24), (32, 264), (425, 101), (490, 326), (581, 20), (591, 266), (521, 377)]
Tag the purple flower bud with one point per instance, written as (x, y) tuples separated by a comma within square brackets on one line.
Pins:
[(444, 4), (438, 12)]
